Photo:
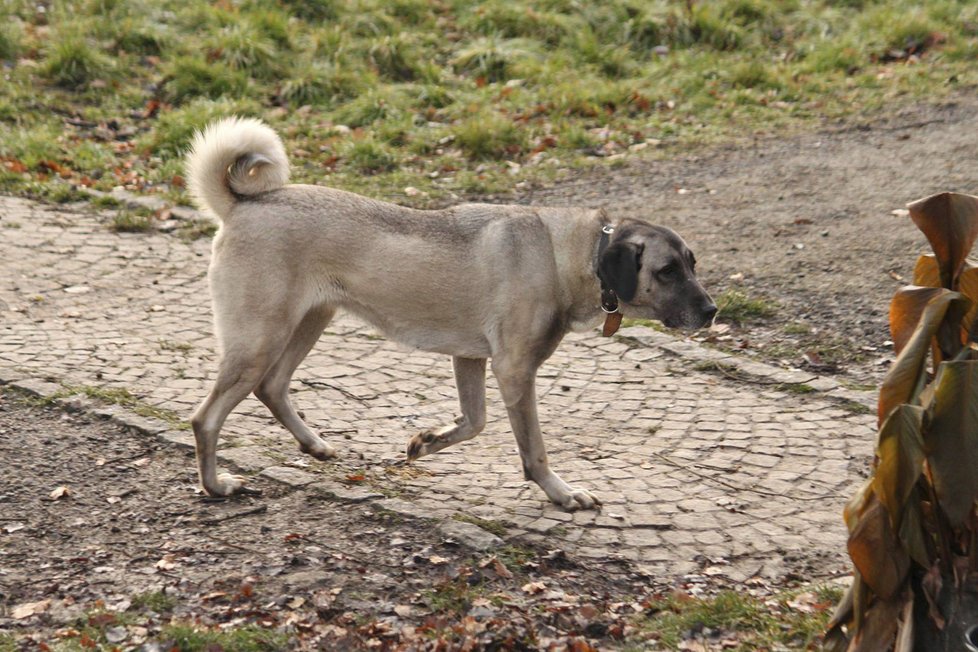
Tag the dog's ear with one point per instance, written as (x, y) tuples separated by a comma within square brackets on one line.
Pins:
[(618, 268)]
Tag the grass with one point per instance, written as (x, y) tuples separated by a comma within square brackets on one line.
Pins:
[(154, 601), (452, 98), (250, 638), (491, 526), (739, 308), (131, 221), (114, 396), (750, 623)]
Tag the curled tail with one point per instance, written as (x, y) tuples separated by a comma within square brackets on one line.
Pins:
[(233, 158)]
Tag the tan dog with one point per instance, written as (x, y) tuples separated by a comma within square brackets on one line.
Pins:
[(475, 282)]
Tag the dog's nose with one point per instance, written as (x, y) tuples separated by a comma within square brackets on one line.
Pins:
[(709, 312)]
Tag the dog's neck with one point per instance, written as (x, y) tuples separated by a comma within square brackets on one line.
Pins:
[(586, 313)]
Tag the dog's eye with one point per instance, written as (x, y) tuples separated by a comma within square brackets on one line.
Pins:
[(669, 271)]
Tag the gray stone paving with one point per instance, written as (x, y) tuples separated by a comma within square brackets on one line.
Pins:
[(698, 473)]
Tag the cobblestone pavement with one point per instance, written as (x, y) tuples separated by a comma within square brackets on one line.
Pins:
[(699, 473)]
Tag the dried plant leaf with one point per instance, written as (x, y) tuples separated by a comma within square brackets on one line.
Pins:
[(905, 633), (878, 630), (904, 380), (906, 308), (856, 504), (876, 552), (912, 531), (900, 449), (951, 438), (950, 222), (926, 273)]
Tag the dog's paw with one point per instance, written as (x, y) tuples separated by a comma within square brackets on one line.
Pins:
[(418, 445), (226, 485), (321, 451), (564, 495), (580, 499)]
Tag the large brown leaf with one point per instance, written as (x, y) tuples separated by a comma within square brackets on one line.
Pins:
[(905, 378), (906, 308), (877, 553), (951, 438), (913, 537), (900, 450), (927, 274), (950, 222), (878, 632), (857, 504)]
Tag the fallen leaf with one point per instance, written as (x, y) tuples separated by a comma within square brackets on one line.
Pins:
[(403, 610), (534, 587), (29, 609), (10, 528), (437, 561), (60, 492), (166, 563)]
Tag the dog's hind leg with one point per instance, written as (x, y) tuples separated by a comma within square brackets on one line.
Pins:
[(517, 386), (273, 390), (470, 379), (242, 368)]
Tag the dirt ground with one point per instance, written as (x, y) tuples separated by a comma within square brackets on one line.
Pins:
[(125, 543), (806, 224)]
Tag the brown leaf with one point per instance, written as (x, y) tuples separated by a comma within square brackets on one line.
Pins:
[(905, 378), (900, 450), (29, 609), (879, 628), (906, 309), (534, 587), (60, 492), (951, 438), (950, 222), (876, 552)]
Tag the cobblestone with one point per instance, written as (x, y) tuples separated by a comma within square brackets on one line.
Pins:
[(690, 465)]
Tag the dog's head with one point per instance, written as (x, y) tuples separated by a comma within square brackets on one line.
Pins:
[(652, 271)]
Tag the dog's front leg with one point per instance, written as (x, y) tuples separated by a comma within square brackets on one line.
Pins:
[(517, 385), (470, 378)]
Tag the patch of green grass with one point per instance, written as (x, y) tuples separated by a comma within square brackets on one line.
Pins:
[(370, 157), (131, 221), (250, 638), (105, 201), (113, 396), (514, 557), (796, 328), (8, 643), (446, 95), (11, 40), (491, 526), (73, 62), (752, 622), (197, 229), (855, 407), (157, 601), (738, 307), (797, 388), (488, 135)]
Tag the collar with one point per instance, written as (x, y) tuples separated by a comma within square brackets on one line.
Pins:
[(609, 300)]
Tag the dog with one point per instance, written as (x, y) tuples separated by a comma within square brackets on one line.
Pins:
[(477, 282)]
